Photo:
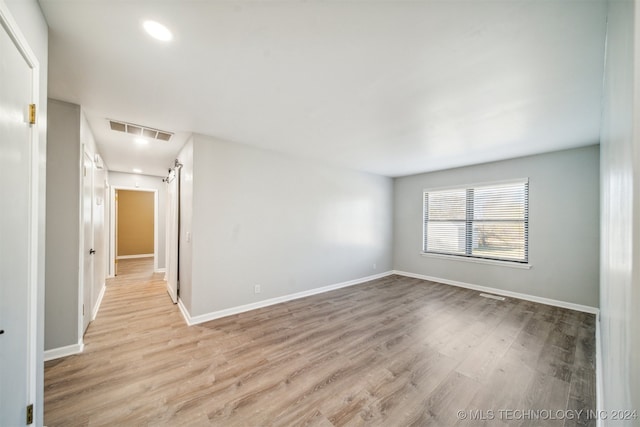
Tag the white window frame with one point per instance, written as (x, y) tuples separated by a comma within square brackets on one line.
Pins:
[(474, 258)]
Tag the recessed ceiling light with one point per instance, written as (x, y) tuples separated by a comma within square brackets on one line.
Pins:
[(136, 170), (157, 31), (141, 141)]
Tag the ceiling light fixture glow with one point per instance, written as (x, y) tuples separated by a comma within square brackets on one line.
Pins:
[(136, 170), (142, 141), (157, 31)]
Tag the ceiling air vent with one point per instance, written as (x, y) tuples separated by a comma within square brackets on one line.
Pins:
[(134, 130), (164, 136), (120, 127), (140, 130)]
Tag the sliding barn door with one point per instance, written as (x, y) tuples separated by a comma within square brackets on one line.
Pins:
[(172, 235)]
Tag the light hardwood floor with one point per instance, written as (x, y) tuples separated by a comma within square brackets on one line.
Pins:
[(394, 351)]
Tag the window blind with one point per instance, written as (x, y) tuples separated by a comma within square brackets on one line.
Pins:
[(487, 221)]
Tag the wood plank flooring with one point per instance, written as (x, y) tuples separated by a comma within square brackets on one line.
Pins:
[(390, 352)]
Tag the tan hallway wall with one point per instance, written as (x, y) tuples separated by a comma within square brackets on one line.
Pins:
[(135, 222)]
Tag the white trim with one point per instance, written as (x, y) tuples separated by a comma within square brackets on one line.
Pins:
[(57, 353), (13, 30), (518, 295), (98, 302), (510, 264), (125, 187), (599, 373), (112, 230), (476, 185), (160, 270), (194, 320), (155, 229), (184, 312), (134, 256)]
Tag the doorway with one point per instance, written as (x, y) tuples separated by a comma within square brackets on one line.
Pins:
[(134, 225)]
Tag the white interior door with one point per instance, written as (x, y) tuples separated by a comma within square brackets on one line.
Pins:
[(88, 250), (172, 236), (17, 252)]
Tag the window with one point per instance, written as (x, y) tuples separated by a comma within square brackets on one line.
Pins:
[(486, 221)]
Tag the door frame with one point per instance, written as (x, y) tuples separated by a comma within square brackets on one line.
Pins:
[(13, 30), (112, 224)]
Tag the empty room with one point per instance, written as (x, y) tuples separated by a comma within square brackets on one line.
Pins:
[(275, 213)]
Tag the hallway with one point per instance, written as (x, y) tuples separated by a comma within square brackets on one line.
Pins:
[(137, 334)]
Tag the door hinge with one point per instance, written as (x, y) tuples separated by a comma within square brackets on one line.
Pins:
[(83, 309), (30, 414), (32, 114)]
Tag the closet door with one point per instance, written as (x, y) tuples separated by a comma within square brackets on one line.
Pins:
[(172, 236)]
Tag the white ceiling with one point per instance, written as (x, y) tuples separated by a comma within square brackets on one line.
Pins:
[(389, 87)]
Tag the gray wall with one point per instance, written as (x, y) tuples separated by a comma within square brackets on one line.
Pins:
[(68, 132), (150, 183), (620, 205), (287, 224), (33, 26), (563, 226), (63, 225)]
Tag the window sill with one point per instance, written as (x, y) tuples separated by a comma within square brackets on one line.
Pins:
[(479, 260)]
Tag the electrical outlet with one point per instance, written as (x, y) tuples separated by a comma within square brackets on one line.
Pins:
[(257, 289), (375, 266)]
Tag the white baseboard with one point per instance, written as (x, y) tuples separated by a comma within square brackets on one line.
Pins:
[(518, 295), (98, 302), (160, 270), (599, 373), (135, 256), (194, 320), (184, 311), (69, 350)]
